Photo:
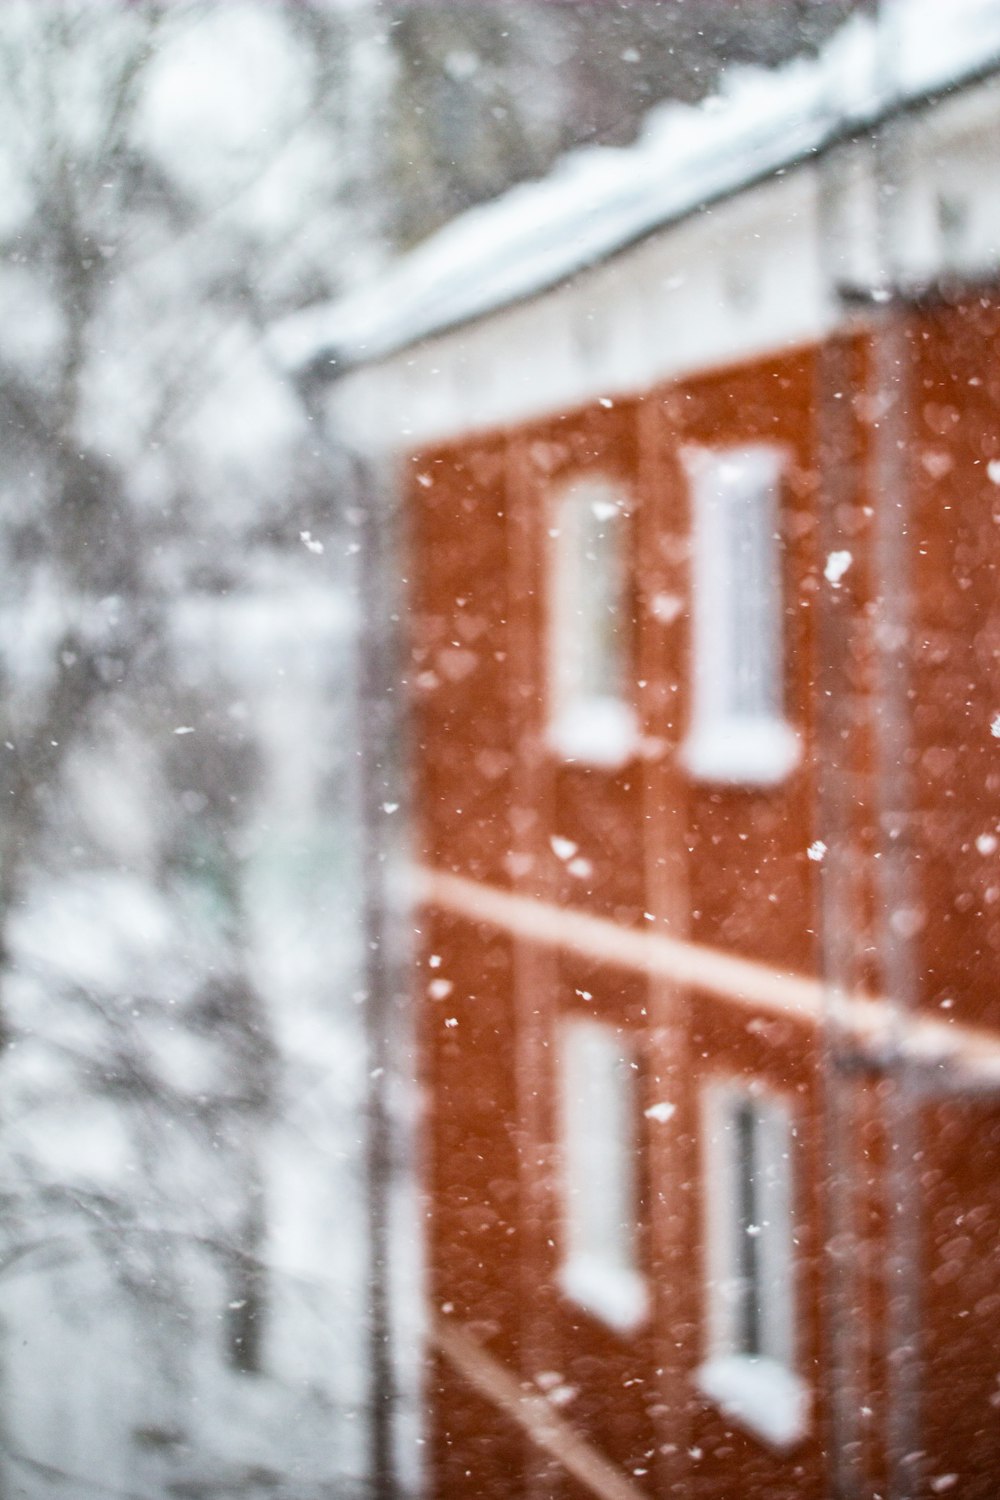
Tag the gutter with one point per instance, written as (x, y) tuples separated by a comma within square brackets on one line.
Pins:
[(331, 362)]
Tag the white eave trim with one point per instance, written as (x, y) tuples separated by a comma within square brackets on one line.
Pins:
[(599, 201)]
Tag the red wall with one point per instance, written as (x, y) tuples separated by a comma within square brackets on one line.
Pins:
[(722, 866)]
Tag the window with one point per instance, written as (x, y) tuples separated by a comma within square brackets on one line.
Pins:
[(589, 668), (738, 729), (600, 1191), (750, 1293)]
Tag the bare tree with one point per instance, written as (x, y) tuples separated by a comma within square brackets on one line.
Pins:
[(154, 474)]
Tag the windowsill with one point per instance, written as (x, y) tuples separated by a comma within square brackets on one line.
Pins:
[(597, 732), (765, 1397), (749, 752), (614, 1294)]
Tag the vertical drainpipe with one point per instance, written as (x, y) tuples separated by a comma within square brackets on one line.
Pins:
[(898, 905), (840, 788), (897, 912)]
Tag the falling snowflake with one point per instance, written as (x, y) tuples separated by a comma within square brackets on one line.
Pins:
[(666, 607), (661, 1113), (837, 565), (816, 850)]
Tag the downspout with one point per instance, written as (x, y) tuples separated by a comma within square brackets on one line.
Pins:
[(840, 789), (898, 910), (892, 807)]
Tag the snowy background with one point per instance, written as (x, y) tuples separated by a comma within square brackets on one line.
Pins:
[(183, 1250)]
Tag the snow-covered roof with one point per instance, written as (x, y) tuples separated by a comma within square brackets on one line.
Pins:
[(600, 200)]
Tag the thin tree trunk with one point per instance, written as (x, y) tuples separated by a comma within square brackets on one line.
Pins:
[(380, 799)]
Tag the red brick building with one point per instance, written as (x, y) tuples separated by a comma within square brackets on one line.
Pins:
[(703, 540)]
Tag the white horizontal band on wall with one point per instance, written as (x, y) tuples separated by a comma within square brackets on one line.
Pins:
[(727, 976), (532, 1413)]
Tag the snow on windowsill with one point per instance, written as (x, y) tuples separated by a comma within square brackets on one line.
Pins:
[(760, 1394), (753, 752), (596, 731), (615, 1294)]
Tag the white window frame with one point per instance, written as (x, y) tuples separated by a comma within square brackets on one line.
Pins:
[(600, 1268), (738, 731), (598, 726), (749, 1369)]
